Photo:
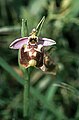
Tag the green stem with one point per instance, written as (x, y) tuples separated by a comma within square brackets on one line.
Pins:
[(26, 72), (26, 94)]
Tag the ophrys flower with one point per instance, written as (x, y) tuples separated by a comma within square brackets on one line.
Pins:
[(32, 49)]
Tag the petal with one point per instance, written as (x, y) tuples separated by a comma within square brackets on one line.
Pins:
[(46, 41), (18, 43)]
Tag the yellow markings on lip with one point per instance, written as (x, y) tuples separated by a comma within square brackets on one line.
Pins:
[(32, 62), (24, 46)]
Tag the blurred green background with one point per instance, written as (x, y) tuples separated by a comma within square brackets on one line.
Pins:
[(52, 97)]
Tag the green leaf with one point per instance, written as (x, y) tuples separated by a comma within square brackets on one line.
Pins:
[(24, 28), (10, 70), (39, 26)]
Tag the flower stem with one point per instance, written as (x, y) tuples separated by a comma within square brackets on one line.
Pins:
[(26, 93), (24, 31)]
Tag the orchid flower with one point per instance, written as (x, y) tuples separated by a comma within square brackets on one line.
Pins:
[(32, 50)]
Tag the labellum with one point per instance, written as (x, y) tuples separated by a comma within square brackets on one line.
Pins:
[(32, 51)]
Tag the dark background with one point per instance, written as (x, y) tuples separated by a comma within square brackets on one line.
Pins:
[(52, 97)]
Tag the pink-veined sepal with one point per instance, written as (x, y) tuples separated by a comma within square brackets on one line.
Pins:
[(18, 43), (46, 41)]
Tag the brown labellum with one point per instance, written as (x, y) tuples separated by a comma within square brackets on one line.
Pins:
[(31, 53)]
